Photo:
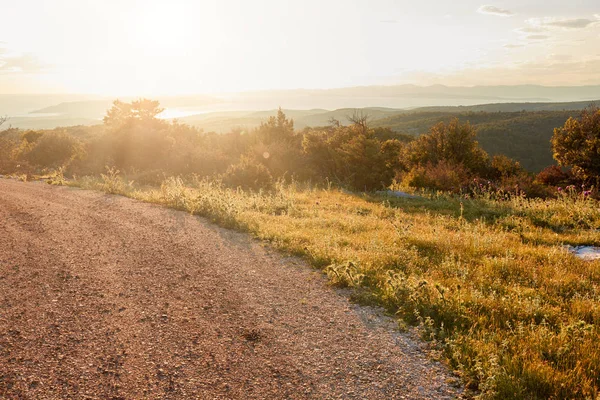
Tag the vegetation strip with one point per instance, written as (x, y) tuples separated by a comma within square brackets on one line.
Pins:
[(489, 280)]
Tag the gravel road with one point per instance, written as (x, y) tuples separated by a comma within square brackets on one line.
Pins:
[(104, 297)]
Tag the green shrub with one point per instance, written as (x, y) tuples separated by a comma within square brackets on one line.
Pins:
[(51, 150), (352, 156), (248, 174), (442, 176)]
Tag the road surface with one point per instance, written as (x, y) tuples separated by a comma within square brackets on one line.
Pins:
[(104, 297)]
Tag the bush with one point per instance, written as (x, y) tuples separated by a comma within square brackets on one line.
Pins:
[(504, 167), (248, 174), (50, 150), (453, 143), (352, 156), (282, 159), (555, 176), (441, 176)]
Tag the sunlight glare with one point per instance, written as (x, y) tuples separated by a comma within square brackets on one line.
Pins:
[(160, 28)]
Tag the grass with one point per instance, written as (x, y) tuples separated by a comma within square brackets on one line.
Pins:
[(489, 280)]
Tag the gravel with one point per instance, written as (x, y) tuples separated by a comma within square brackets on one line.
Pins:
[(104, 297)]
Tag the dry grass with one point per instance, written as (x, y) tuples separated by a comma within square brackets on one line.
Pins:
[(489, 280)]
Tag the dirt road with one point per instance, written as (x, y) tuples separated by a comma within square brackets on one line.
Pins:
[(105, 297)]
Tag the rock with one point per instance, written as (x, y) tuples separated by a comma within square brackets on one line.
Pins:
[(587, 253)]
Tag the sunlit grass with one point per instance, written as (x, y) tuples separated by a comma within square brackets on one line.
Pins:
[(490, 280)]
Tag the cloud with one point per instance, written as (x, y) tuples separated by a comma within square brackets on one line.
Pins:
[(493, 10), (538, 37), (561, 23), (513, 46), (531, 29), (536, 27), (548, 71), (559, 57), (18, 63), (389, 21), (25, 63)]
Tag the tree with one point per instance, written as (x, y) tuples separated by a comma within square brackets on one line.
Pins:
[(142, 110), (352, 155), (504, 167), (277, 128), (138, 138), (453, 143), (51, 150), (577, 144)]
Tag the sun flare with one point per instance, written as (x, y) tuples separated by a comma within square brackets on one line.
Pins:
[(160, 28)]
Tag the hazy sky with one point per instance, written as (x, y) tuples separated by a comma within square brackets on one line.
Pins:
[(135, 47)]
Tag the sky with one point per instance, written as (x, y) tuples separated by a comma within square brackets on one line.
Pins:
[(175, 47)]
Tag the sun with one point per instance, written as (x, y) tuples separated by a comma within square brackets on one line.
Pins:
[(160, 28)]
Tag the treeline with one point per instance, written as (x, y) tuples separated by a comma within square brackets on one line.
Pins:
[(523, 136), (133, 140)]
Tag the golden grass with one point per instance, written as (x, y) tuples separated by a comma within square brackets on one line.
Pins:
[(490, 280)]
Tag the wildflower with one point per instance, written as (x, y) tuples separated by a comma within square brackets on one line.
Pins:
[(559, 189), (587, 192)]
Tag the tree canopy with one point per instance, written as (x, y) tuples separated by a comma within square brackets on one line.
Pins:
[(142, 110), (453, 143), (577, 144)]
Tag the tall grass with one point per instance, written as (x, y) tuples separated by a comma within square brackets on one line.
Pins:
[(488, 279)]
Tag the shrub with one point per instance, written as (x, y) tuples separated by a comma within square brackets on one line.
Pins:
[(352, 156), (51, 150), (504, 167), (113, 183), (453, 143), (282, 159), (555, 176), (248, 174), (32, 136), (441, 176)]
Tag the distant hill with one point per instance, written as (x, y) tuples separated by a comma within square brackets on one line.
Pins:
[(15, 105), (412, 96), (91, 109), (224, 122), (510, 107), (390, 96), (49, 122), (96, 109)]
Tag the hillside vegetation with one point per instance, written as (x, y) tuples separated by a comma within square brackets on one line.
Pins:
[(523, 136), (478, 261), (521, 131)]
